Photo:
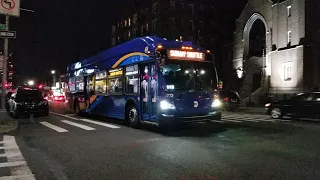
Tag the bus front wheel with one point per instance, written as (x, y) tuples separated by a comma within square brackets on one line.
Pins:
[(132, 116)]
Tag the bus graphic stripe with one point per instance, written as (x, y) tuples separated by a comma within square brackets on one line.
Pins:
[(126, 57)]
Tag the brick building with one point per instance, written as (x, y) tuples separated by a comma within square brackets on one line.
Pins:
[(289, 62)]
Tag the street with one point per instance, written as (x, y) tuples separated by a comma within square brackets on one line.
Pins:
[(72, 147)]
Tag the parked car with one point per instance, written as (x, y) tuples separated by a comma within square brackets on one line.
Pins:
[(230, 100), (27, 101), (303, 105)]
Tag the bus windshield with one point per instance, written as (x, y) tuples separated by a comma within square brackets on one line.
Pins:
[(188, 75)]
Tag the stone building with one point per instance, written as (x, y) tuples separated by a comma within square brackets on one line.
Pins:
[(276, 48)]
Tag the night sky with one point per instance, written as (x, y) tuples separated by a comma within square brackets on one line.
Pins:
[(59, 33)]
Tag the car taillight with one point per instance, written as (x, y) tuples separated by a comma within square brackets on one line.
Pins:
[(55, 98), (226, 99)]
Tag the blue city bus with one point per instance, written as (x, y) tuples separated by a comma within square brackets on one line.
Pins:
[(148, 80)]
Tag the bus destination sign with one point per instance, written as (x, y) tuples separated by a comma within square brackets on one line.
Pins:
[(186, 55)]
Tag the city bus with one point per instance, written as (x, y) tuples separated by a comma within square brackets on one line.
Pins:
[(148, 80)]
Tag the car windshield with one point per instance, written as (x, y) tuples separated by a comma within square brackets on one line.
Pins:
[(188, 75), (28, 95)]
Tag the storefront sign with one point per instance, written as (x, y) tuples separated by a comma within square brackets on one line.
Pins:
[(186, 55)]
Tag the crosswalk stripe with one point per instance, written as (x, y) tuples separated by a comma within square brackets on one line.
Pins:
[(78, 125), (11, 164), (100, 123), (232, 120), (18, 177), (54, 127), (217, 121), (242, 119)]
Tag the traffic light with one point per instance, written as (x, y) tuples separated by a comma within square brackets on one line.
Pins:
[(40, 86)]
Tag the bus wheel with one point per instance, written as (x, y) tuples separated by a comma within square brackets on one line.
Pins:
[(132, 116)]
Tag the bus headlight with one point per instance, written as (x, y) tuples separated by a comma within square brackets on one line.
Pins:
[(216, 103), (166, 105)]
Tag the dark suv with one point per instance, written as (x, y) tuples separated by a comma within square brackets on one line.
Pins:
[(25, 102), (230, 100)]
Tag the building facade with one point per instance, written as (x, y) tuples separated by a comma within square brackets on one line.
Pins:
[(276, 48)]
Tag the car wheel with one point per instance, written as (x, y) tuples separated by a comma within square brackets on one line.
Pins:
[(276, 113), (132, 116)]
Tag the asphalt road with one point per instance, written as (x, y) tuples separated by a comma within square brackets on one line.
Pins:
[(86, 148)]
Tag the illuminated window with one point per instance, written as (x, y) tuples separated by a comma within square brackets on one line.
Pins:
[(142, 29), (172, 22), (147, 27), (101, 86), (129, 22), (125, 23), (172, 5), (134, 32), (132, 79), (289, 37), (129, 34), (154, 23), (287, 71), (192, 8), (289, 11)]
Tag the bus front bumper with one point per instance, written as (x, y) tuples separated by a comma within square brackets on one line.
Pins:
[(165, 118)]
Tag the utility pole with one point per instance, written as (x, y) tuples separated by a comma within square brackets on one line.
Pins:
[(5, 66)]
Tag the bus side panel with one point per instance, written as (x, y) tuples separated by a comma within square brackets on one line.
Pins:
[(112, 106)]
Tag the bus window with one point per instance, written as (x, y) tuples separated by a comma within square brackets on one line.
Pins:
[(101, 82), (132, 79), (79, 83), (115, 81)]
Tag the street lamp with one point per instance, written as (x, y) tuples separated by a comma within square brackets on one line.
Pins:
[(30, 82), (53, 71)]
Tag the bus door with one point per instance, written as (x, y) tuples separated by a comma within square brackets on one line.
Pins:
[(148, 90)]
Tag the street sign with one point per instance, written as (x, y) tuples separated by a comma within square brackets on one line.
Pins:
[(10, 7), (7, 34), (2, 26)]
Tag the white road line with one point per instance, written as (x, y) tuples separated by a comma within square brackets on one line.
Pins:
[(10, 164), (231, 120), (217, 121), (78, 125), (87, 120), (54, 127), (16, 162), (18, 177), (100, 123)]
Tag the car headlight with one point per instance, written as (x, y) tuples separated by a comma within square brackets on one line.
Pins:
[(267, 105), (166, 105), (216, 103)]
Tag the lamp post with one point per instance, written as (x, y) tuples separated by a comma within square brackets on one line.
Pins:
[(53, 72), (31, 83)]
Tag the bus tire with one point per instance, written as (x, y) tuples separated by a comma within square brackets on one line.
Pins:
[(132, 116)]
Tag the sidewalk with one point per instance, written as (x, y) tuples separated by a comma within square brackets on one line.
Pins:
[(6, 122)]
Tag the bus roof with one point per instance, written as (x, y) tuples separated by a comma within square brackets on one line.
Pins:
[(138, 45)]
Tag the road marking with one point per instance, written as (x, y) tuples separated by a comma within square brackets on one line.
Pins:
[(10, 164), (18, 177), (54, 127), (100, 123), (231, 120), (87, 120), (16, 162), (78, 125), (217, 121)]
